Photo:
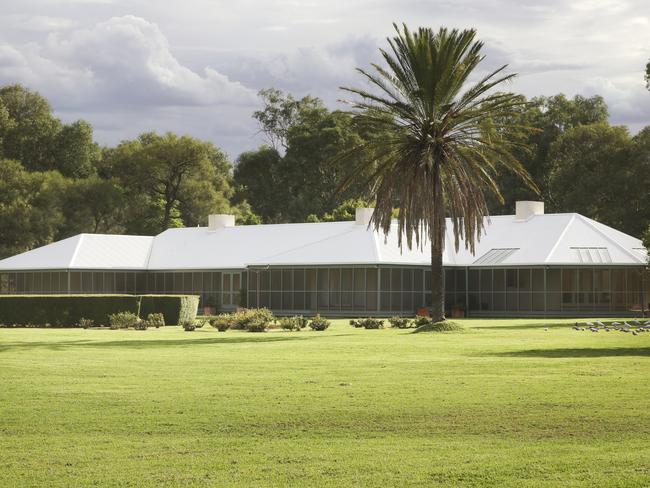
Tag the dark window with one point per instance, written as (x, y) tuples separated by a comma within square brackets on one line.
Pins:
[(499, 280), (396, 279), (407, 280), (486, 280), (299, 281), (473, 280), (384, 281), (287, 280), (371, 280)]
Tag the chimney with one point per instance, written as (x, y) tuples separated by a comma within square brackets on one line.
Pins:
[(219, 221), (362, 216), (526, 209)]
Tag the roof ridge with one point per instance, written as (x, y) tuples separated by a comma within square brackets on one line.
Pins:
[(588, 222), (76, 251), (560, 237)]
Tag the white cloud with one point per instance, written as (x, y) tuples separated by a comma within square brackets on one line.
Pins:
[(124, 61)]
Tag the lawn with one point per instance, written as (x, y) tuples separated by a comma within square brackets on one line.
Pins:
[(503, 403)]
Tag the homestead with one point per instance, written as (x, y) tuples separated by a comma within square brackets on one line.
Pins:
[(526, 264)]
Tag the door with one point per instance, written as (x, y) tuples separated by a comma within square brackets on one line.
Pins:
[(230, 286)]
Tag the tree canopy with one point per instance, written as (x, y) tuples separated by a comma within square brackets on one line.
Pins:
[(57, 181)]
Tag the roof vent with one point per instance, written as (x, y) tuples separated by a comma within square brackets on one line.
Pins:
[(526, 209), (219, 221), (363, 215)]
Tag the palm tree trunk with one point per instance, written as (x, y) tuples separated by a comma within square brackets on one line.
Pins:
[(437, 237), (437, 283)]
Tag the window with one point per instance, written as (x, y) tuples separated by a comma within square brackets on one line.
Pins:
[(499, 280), (276, 280), (75, 281), (384, 281), (486, 280), (407, 280), (396, 279), (299, 280), (109, 282), (98, 282), (287, 280), (473, 280), (197, 282)]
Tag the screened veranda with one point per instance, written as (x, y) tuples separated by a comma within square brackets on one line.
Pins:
[(367, 290), (493, 291)]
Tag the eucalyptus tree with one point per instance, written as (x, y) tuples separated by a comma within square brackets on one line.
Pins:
[(442, 140)]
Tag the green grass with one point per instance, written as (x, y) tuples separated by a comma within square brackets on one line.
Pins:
[(503, 403)]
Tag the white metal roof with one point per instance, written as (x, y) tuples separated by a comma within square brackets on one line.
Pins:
[(85, 251), (551, 239)]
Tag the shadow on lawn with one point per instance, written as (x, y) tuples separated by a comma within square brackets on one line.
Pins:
[(577, 352), (142, 343)]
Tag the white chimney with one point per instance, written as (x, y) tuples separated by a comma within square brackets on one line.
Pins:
[(362, 215), (219, 221), (526, 209)]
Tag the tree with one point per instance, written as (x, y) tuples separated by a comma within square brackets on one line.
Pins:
[(30, 207), (442, 140), (549, 118), (647, 75), (303, 181), (257, 176), (33, 130), (169, 180), (93, 205), (599, 171), (310, 173), (645, 238), (75, 153), (29, 133), (281, 112)]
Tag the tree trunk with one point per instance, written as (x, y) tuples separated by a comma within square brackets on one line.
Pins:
[(167, 215), (437, 283), (437, 237)]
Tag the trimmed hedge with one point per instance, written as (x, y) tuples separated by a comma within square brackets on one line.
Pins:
[(177, 309), (67, 310)]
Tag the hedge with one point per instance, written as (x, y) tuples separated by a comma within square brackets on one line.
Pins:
[(66, 310), (176, 308)]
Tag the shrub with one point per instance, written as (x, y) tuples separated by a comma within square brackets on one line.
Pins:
[(367, 323), (63, 310), (444, 326), (252, 320), (199, 323), (155, 320), (399, 322), (123, 320), (421, 320), (141, 325), (68, 310), (319, 323), (370, 323), (176, 309), (296, 322), (189, 325), (222, 322), (85, 323)]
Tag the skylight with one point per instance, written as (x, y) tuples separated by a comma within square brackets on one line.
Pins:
[(592, 254), (496, 256)]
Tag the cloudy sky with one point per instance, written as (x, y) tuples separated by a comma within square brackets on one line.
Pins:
[(195, 66)]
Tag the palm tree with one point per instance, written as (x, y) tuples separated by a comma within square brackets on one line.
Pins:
[(440, 140)]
